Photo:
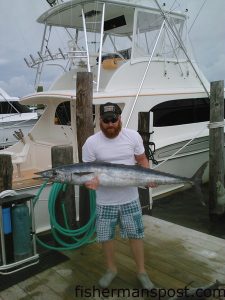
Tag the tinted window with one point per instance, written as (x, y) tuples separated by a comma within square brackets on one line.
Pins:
[(182, 111), (62, 114)]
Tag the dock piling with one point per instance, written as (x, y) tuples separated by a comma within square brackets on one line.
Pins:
[(143, 129), (63, 155), (85, 128), (216, 148)]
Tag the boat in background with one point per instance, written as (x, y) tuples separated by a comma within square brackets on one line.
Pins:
[(16, 120), (139, 55)]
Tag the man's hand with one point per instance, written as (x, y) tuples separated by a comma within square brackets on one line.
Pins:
[(152, 184), (92, 184)]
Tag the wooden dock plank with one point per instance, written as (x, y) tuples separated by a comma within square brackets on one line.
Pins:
[(168, 231), (175, 256), (14, 293), (166, 262), (37, 289), (26, 179), (57, 283), (200, 251), (205, 258)]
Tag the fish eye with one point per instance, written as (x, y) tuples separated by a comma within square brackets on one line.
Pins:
[(54, 172)]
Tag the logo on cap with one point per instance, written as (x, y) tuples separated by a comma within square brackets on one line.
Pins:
[(109, 108)]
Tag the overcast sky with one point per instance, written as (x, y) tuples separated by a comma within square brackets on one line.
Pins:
[(21, 35)]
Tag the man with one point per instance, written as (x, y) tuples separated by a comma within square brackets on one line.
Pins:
[(117, 205)]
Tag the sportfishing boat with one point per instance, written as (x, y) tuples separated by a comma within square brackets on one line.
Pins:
[(16, 120), (139, 55)]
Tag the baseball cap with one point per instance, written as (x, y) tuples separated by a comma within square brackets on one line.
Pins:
[(110, 110)]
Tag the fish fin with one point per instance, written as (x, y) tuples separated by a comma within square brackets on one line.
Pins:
[(197, 180), (197, 177), (82, 173)]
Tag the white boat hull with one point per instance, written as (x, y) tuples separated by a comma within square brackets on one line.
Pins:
[(7, 130), (186, 166)]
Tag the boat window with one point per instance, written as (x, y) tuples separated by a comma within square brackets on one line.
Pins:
[(114, 23), (13, 107), (147, 29), (62, 114), (182, 111), (117, 35)]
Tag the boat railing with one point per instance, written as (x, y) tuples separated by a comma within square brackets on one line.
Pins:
[(70, 55), (33, 62), (77, 54), (41, 58)]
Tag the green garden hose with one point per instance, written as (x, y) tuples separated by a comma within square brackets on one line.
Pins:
[(80, 236)]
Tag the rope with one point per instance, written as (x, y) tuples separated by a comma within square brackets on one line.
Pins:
[(80, 236), (185, 145), (214, 125)]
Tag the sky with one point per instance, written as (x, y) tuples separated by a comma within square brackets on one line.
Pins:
[(21, 35)]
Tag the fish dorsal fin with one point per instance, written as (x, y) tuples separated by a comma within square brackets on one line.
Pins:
[(82, 173)]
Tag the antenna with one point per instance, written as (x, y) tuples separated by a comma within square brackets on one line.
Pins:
[(52, 2)]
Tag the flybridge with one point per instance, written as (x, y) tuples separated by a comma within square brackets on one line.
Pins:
[(71, 17), (107, 29)]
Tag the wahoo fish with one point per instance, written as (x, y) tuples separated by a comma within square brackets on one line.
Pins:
[(111, 174)]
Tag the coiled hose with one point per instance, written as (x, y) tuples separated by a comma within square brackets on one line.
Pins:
[(80, 236)]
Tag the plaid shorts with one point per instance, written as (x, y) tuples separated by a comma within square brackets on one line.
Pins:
[(128, 216)]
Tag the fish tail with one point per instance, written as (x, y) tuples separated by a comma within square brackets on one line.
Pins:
[(196, 179)]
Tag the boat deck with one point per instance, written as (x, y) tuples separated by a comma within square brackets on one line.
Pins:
[(175, 257), (26, 179)]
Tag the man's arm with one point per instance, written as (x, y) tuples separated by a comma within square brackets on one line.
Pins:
[(142, 160)]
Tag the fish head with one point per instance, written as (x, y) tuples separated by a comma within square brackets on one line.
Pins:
[(55, 175)]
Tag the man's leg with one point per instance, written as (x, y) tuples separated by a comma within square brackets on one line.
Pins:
[(137, 249), (109, 254), (106, 220), (133, 228)]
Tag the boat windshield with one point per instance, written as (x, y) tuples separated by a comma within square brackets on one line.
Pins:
[(113, 26), (153, 37)]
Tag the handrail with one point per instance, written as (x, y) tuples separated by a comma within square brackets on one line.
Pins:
[(86, 40), (58, 55)]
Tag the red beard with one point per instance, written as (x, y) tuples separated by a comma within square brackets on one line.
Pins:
[(111, 131)]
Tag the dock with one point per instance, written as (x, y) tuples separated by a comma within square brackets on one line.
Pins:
[(175, 257)]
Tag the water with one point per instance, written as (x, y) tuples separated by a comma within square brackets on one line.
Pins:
[(184, 208)]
